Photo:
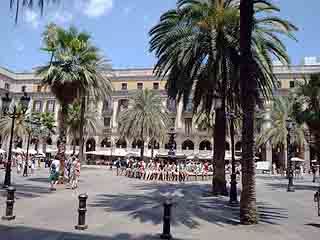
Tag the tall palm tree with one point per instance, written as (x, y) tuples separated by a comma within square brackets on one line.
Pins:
[(73, 73), (197, 46), (92, 122), (145, 118), (17, 4), (282, 109), (248, 86)]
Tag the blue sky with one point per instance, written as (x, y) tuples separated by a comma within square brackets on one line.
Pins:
[(120, 29)]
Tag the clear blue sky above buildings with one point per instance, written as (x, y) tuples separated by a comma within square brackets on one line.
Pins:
[(120, 28)]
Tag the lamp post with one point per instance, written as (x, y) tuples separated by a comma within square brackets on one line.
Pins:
[(6, 101), (290, 127), (171, 153), (233, 184)]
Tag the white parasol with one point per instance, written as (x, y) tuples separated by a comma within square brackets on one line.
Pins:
[(296, 159)]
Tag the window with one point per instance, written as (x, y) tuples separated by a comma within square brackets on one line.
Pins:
[(23, 89), (123, 104), (37, 106), (39, 87), (189, 106), (188, 125), (291, 84), (51, 106), (7, 86), (106, 106), (140, 86), (156, 86), (124, 86), (106, 122), (171, 104)]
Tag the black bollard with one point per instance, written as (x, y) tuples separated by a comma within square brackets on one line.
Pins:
[(166, 220), (82, 212), (10, 201)]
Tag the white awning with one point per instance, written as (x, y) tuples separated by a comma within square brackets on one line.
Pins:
[(296, 159)]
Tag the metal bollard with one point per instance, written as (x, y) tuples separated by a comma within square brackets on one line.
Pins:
[(166, 220), (10, 201), (82, 212)]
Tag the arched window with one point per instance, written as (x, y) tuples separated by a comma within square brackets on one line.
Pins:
[(106, 143), (121, 143), (227, 146), (90, 145), (205, 145), (153, 143), (34, 141), (137, 143), (106, 105), (188, 145), (238, 146)]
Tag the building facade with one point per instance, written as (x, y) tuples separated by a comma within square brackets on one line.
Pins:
[(189, 139)]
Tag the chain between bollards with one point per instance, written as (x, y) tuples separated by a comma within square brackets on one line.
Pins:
[(82, 212), (10, 202), (166, 220)]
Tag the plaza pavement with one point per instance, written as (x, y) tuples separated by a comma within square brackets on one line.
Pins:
[(131, 209)]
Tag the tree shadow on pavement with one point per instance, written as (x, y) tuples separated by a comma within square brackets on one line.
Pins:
[(26, 191), (296, 186), (192, 204), (29, 233)]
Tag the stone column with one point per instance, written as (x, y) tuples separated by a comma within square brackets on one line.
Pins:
[(269, 154), (179, 115), (307, 157), (285, 156), (114, 114)]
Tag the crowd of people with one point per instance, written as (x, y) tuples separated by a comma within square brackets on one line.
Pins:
[(26, 166), (70, 172), (163, 170)]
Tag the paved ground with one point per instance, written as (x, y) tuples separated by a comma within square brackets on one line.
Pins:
[(128, 209)]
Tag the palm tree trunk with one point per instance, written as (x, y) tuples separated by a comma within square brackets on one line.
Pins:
[(152, 149), (62, 138), (82, 112), (219, 186), (248, 209), (142, 146)]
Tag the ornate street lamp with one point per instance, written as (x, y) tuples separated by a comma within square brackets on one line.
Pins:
[(6, 102), (233, 184), (290, 125)]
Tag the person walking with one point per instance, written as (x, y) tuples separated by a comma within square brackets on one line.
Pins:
[(76, 174), (19, 163), (54, 174), (118, 166)]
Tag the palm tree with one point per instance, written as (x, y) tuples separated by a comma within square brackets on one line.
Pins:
[(47, 127), (197, 46), (92, 122), (19, 126), (282, 109), (307, 108), (145, 118), (73, 73), (248, 86), (17, 4)]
